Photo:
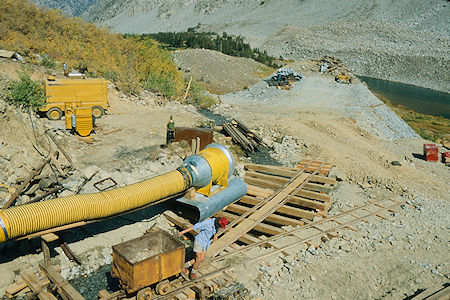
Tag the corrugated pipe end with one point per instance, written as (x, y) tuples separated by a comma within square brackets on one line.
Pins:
[(3, 228), (213, 163)]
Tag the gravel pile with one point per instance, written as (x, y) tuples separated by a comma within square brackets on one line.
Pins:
[(303, 272)]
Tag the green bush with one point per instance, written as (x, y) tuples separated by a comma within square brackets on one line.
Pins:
[(25, 92), (161, 83), (47, 62), (198, 96)]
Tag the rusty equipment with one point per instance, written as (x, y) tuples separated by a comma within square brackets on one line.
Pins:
[(343, 79), (99, 185), (147, 263), (188, 134)]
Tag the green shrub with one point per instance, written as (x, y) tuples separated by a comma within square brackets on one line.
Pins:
[(198, 96), (25, 92), (47, 62), (161, 83)]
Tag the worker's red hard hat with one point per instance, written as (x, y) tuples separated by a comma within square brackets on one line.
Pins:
[(223, 222)]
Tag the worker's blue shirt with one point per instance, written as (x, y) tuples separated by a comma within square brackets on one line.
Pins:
[(207, 230)]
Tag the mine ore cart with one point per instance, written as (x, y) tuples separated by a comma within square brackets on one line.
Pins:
[(148, 263)]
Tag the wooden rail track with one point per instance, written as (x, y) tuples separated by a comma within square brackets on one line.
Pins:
[(280, 243)]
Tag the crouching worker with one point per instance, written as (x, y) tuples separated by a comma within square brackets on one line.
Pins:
[(208, 229)]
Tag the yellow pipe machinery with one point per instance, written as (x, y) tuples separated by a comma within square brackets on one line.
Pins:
[(213, 165)]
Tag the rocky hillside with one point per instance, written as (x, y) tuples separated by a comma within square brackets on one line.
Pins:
[(69, 7), (404, 41)]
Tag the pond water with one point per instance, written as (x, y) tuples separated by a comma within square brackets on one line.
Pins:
[(421, 100)]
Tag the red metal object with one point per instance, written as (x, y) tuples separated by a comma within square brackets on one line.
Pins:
[(446, 157), (189, 134), (430, 152)]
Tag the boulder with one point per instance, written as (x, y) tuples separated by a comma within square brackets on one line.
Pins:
[(6, 53)]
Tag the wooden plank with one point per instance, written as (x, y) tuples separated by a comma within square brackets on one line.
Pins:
[(64, 288), (179, 221), (313, 195), (189, 293), (49, 237), (275, 182), (16, 287), (258, 191), (273, 218), (37, 286), (297, 212), (257, 217), (287, 172), (265, 228), (294, 200)]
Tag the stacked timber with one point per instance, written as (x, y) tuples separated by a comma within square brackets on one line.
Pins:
[(242, 135)]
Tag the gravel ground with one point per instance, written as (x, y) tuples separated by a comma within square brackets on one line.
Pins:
[(320, 92)]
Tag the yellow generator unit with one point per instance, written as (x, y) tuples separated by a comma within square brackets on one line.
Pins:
[(87, 93)]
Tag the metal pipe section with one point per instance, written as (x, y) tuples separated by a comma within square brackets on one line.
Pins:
[(203, 207), (210, 166)]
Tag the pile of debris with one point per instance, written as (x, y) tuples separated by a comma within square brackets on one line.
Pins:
[(333, 65), (283, 78), (243, 136)]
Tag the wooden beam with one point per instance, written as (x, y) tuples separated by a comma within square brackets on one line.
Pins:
[(258, 216), (297, 212), (314, 195), (273, 218), (37, 286), (179, 221), (275, 182), (295, 200), (261, 227), (63, 287), (287, 172)]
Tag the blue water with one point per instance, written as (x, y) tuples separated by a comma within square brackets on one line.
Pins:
[(421, 100)]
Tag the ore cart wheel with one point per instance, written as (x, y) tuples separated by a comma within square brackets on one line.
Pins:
[(98, 111), (54, 113), (163, 288), (144, 294)]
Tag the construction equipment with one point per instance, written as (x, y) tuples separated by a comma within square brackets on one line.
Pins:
[(210, 172), (343, 79), (283, 78), (79, 119), (147, 262), (87, 93)]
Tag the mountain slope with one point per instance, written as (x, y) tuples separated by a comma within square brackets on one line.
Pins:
[(69, 7), (405, 41)]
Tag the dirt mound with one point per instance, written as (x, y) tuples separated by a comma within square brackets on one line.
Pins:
[(220, 73)]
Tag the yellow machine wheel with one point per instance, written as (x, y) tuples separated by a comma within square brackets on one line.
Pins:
[(144, 294), (163, 288), (54, 113), (98, 111)]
